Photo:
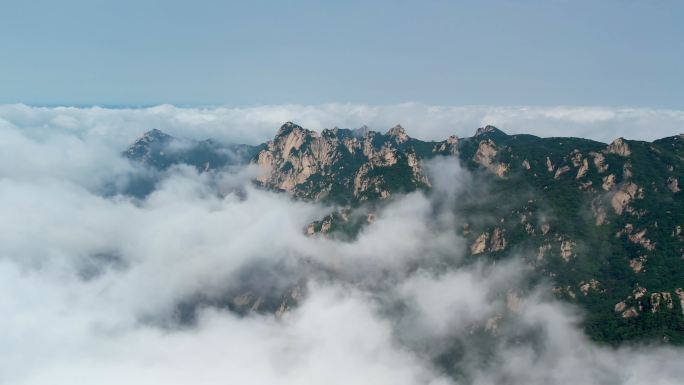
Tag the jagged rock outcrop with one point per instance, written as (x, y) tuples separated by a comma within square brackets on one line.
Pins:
[(486, 156), (561, 171), (480, 245), (498, 242), (620, 147), (486, 242), (623, 197), (599, 161), (149, 148), (608, 182), (640, 239), (447, 147), (663, 297), (586, 287), (583, 170), (637, 264), (398, 133), (549, 165), (341, 164), (488, 130), (566, 248)]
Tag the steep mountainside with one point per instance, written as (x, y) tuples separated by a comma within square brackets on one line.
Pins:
[(343, 166), (603, 223), (160, 150)]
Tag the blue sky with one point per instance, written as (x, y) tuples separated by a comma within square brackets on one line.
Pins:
[(506, 52)]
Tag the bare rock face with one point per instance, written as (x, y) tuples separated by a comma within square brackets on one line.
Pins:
[(327, 223), (657, 299), (485, 130), (448, 147), (480, 245), (623, 197), (599, 161), (561, 171), (640, 239), (620, 147), (416, 169), (566, 250), (289, 301), (340, 163), (630, 313), (398, 133), (576, 158), (608, 182), (492, 242), (498, 240), (639, 292), (486, 153), (549, 164), (285, 163), (637, 264), (586, 287), (673, 184), (583, 170), (486, 156)]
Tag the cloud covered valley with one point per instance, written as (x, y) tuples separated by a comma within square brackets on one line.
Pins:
[(99, 287)]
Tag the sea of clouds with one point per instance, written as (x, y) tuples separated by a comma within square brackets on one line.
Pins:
[(257, 124), (90, 283)]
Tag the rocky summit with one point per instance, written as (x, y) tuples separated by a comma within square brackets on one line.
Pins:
[(603, 224), (160, 150)]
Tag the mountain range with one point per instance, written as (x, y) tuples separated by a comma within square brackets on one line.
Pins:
[(601, 222)]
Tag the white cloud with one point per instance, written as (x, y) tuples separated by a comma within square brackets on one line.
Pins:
[(259, 123), (89, 283)]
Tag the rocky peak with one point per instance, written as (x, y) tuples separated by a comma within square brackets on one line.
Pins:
[(152, 140), (151, 137), (620, 147), (447, 147), (155, 135), (399, 133), (160, 150), (342, 163), (489, 130), (290, 128), (360, 132)]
